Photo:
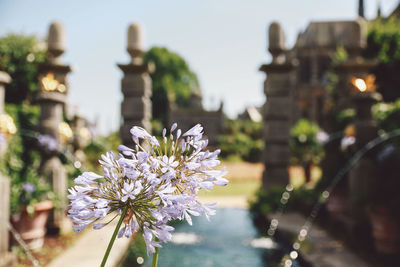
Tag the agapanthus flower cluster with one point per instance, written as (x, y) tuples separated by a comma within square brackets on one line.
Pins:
[(154, 183), (48, 142), (3, 141), (28, 187)]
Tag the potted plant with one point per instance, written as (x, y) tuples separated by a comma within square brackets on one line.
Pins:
[(305, 148), (31, 200)]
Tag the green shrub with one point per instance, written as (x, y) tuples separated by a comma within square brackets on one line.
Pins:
[(173, 81), (383, 45), (304, 145), (242, 140), (266, 202), (20, 57), (387, 115)]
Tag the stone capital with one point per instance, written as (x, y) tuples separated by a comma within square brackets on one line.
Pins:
[(54, 67), (4, 78), (135, 68), (54, 97), (277, 68), (355, 66)]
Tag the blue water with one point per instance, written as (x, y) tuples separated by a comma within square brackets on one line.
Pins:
[(225, 241)]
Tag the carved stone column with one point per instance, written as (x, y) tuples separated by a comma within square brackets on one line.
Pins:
[(277, 112), (365, 170), (52, 98), (82, 137), (136, 87), (6, 257), (4, 79)]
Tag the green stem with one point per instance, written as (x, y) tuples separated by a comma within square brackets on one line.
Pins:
[(155, 258), (103, 263)]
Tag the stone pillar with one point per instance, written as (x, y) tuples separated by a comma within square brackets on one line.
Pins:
[(6, 258), (4, 79), (354, 66), (135, 86), (52, 98), (364, 171), (346, 71), (82, 137), (277, 111)]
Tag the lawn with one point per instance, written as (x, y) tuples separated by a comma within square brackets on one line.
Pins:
[(234, 188)]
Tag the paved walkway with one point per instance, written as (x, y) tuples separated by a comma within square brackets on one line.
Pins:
[(88, 250), (325, 251)]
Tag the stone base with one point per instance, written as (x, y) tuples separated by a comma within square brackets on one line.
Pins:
[(66, 226), (54, 171), (275, 176)]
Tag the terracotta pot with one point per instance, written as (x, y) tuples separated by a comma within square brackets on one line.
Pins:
[(337, 205), (33, 228), (385, 229)]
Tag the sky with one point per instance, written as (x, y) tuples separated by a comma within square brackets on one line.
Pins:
[(223, 41)]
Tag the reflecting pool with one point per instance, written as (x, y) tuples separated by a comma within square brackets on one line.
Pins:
[(229, 239)]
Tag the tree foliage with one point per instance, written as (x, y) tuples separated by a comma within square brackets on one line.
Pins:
[(19, 57), (383, 44), (387, 115), (242, 140), (303, 142), (173, 80)]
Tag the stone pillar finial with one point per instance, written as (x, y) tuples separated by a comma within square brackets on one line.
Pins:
[(135, 42), (56, 41), (276, 37)]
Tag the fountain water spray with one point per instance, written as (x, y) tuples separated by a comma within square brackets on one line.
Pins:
[(326, 193), (288, 191)]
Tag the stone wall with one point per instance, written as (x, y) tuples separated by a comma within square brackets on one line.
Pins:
[(212, 121)]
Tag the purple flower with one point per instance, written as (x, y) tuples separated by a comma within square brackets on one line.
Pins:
[(2, 140), (139, 133), (386, 153), (347, 141), (3, 143), (322, 137), (168, 163), (194, 131), (155, 183), (48, 142), (28, 187)]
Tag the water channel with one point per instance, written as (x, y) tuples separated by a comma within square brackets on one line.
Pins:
[(229, 239)]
